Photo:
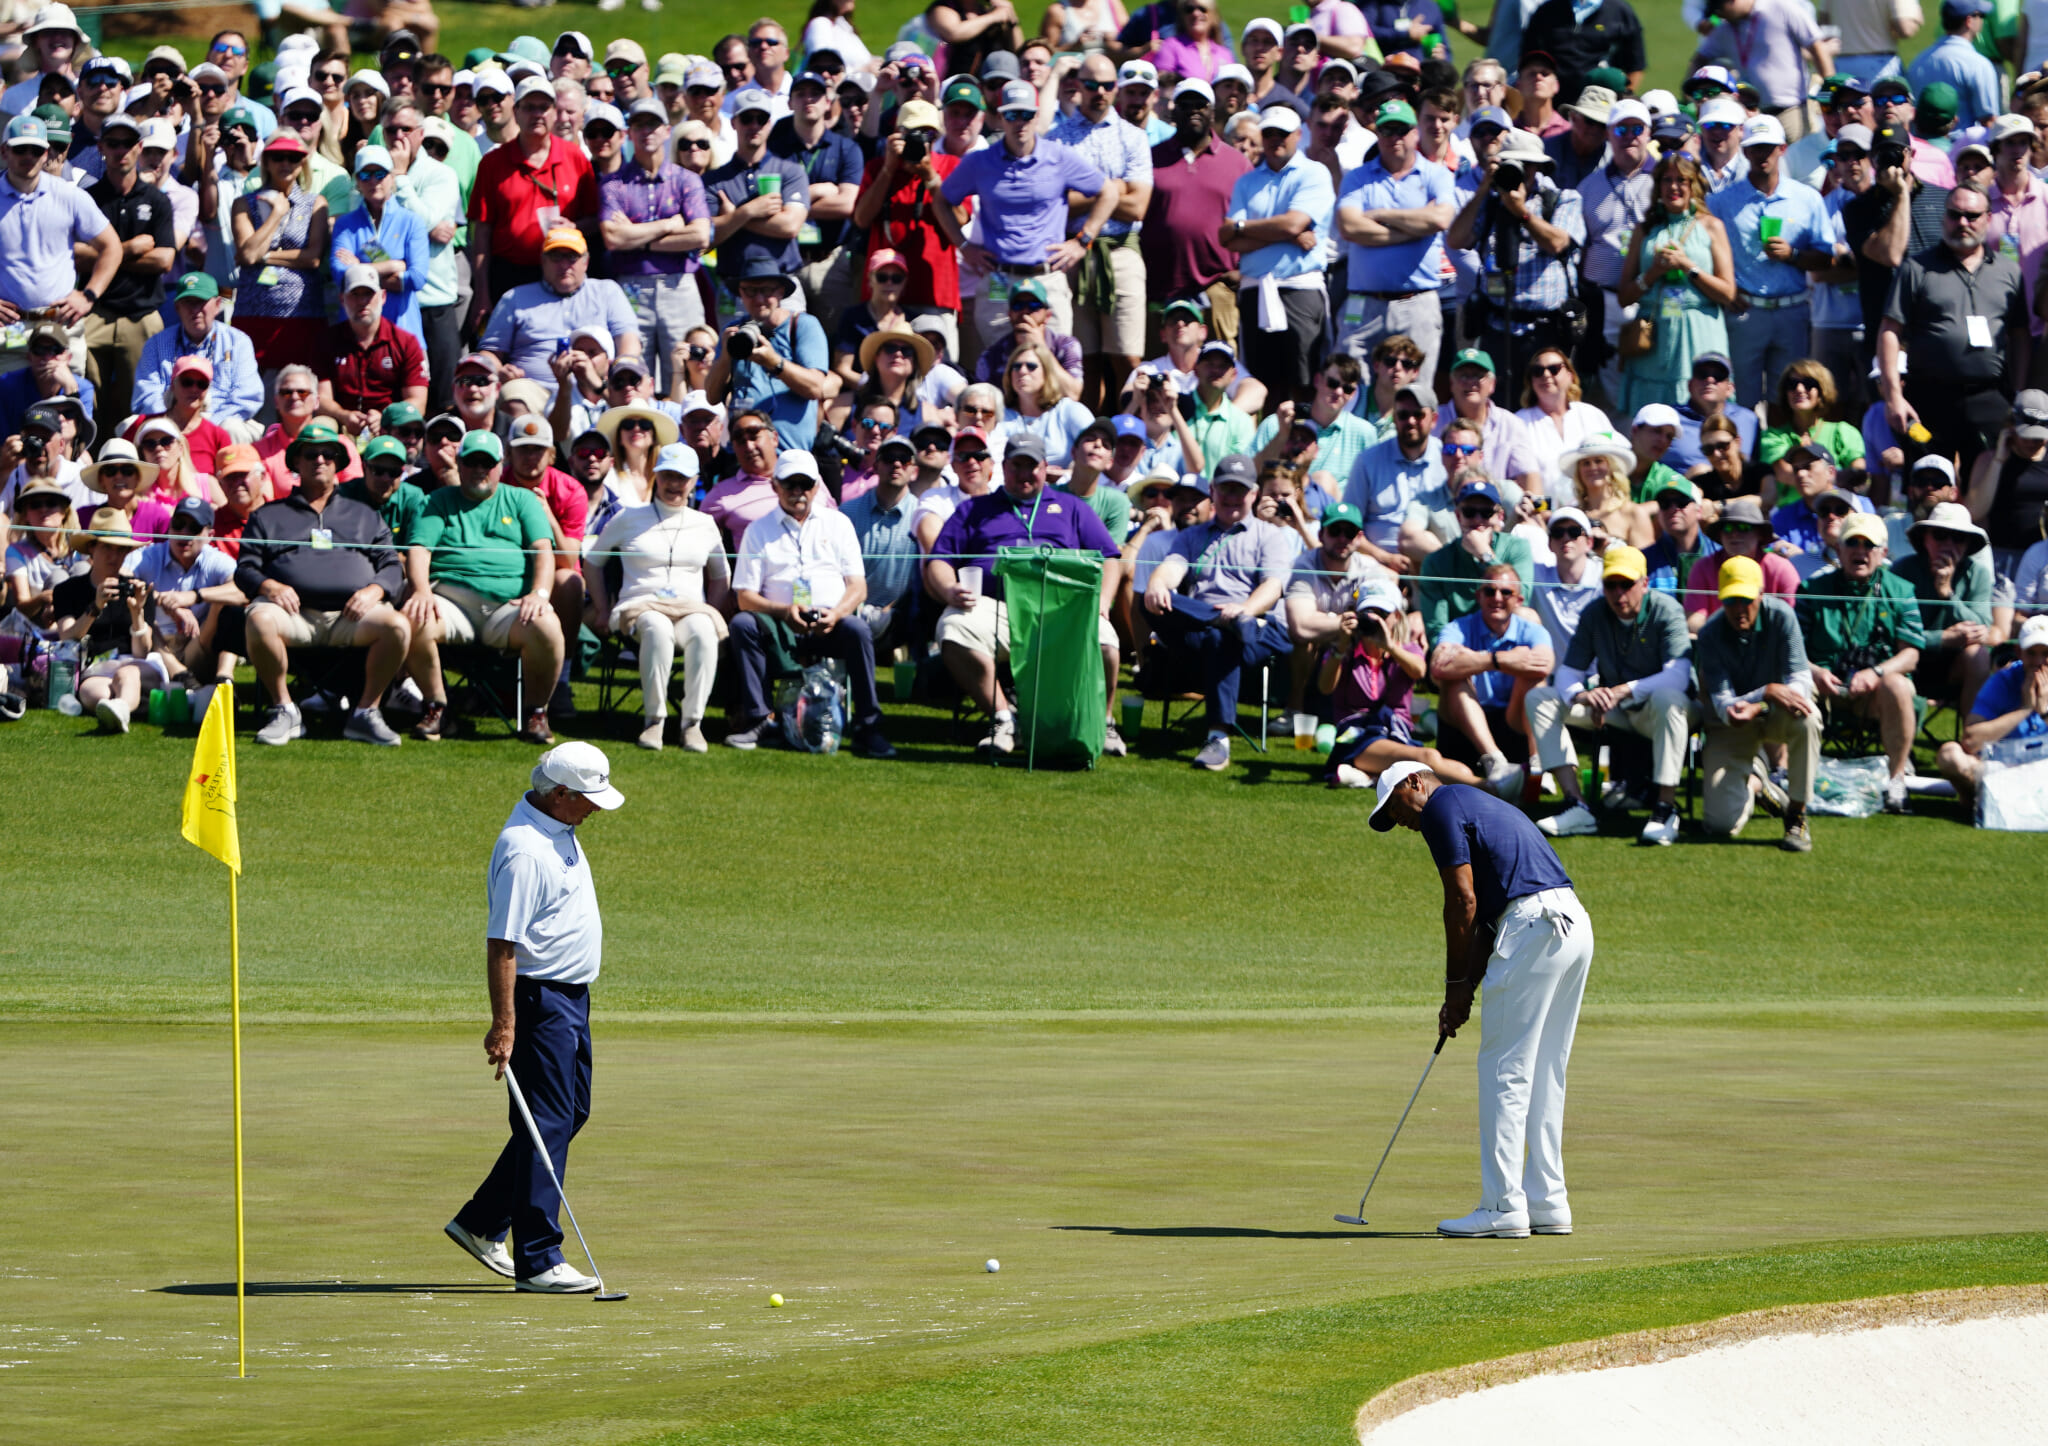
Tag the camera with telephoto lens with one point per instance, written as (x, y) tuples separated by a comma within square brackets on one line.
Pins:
[(838, 446), (1509, 176), (916, 146), (744, 339), (700, 353)]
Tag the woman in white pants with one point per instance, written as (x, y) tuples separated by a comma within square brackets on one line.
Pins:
[(673, 594), (1511, 919)]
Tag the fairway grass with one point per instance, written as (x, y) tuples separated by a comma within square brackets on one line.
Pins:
[(1159, 1195)]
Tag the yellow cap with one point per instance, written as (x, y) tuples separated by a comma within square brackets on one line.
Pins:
[(1741, 577), (565, 238), (1864, 525), (1622, 561)]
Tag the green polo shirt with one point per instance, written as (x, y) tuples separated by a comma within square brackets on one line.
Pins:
[(1337, 445), (482, 544), (1862, 623), (400, 510), (1111, 504), (1442, 600), (1656, 480), (1225, 431), (1969, 599)]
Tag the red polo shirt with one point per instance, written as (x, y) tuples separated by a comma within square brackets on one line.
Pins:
[(370, 378), (1190, 196), (511, 196), (569, 504)]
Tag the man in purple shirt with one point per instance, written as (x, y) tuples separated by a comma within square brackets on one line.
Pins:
[(655, 221), (1022, 183), (974, 630)]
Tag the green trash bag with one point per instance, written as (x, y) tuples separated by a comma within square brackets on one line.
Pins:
[(1054, 599)]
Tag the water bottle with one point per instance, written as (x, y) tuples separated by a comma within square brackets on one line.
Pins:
[(64, 678)]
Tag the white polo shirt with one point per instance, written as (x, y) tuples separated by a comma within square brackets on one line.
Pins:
[(823, 550), (542, 900)]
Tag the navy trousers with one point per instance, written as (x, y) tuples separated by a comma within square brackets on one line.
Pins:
[(551, 1058), (851, 641), (1222, 648)]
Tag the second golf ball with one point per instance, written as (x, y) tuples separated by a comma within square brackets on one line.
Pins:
[(775, 1300), (992, 1266)]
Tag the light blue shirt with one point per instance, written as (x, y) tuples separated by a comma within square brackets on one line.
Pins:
[(237, 391), (886, 545), (155, 566), (431, 190), (530, 324), (801, 339), (1263, 193), (1837, 305), (1493, 689), (1116, 148), (542, 900), (1962, 65), (400, 236), (1057, 428), (1383, 483), (1403, 265), (1561, 605), (1804, 224), (37, 231)]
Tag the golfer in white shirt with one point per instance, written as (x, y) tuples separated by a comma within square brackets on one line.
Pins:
[(545, 942)]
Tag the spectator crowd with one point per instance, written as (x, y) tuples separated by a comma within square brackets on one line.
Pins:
[(1477, 416)]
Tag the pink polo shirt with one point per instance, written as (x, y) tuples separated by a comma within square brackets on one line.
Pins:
[(2022, 219), (1930, 163)]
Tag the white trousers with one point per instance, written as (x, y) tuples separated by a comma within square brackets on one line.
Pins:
[(1528, 1012), (657, 637)]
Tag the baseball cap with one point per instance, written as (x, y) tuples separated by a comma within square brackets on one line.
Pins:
[(1218, 347), (1000, 65), (194, 509), (1861, 138), (1380, 595), (1018, 95), (234, 461), (1572, 515), (1235, 72), (2030, 415), (1025, 444), (797, 463), (896, 442), (1939, 100), (1342, 512), (811, 77), (1710, 78), (962, 90), (1271, 27), (1236, 469), (192, 362), (379, 447), (1762, 130), (196, 285), (121, 122), (1621, 560), (1472, 356), (753, 98), (1629, 110), (479, 441), (603, 112), (1128, 426), (624, 49), (1337, 68), (446, 422), (2034, 633), (1723, 112), (369, 156), (1282, 118), (922, 115), (530, 431), (400, 414), (1679, 485), (1491, 115), (1138, 72), (677, 457), (579, 767), (360, 276), (533, 85), (1397, 112), (28, 133), (1658, 414), (1940, 466), (1422, 393), (1189, 481), (1865, 525), (1196, 86), (318, 431), (1484, 490), (1029, 289), (565, 238), (1741, 577), (1187, 304), (1389, 780)]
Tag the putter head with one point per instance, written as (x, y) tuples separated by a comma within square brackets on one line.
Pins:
[(609, 1295), (1351, 1220)]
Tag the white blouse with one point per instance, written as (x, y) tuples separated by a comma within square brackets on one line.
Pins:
[(666, 552)]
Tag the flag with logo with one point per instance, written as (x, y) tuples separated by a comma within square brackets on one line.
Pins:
[(210, 791)]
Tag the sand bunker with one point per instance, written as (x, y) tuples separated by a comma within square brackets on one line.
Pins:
[(1949, 1366)]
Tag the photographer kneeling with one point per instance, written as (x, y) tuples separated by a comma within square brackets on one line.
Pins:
[(775, 361)]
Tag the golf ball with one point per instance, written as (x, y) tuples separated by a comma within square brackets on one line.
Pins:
[(992, 1266), (775, 1301)]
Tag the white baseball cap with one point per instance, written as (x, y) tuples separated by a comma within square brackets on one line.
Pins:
[(1723, 111), (1280, 117), (677, 457), (533, 85), (2034, 632), (797, 464), (1658, 414), (1569, 514), (1762, 130), (580, 768), (1628, 110), (1138, 72), (1393, 778), (1194, 85), (1237, 73)]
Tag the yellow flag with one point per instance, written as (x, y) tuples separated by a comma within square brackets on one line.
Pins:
[(210, 792)]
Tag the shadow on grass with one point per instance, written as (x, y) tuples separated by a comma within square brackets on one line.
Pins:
[(1241, 1232), (333, 1287)]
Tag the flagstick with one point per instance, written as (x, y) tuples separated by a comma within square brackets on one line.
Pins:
[(235, 997)]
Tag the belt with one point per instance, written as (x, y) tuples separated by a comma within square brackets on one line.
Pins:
[(1774, 303), (1391, 295), (1009, 270)]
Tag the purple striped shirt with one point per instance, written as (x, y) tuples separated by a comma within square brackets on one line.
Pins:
[(631, 194)]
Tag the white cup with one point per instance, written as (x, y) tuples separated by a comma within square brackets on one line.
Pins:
[(970, 578)]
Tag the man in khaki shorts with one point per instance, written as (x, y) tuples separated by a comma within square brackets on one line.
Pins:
[(320, 572), (481, 569), (1109, 284)]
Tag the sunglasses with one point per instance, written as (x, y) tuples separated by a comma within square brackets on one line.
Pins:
[(46, 351), (1802, 384), (1476, 514), (155, 444), (1027, 303), (1342, 389), (411, 434), (1710, 374), (1617, 584), (892, 278), (1715, 449), (195, 381), (1018, 117), (225, 49), (372, 174), (764, 42), (118, 143), (444, 88), (209, 87), (1836, 511), (1629, 130), (1547, 371), (620, 69), (1499, 590), (1966, 217), (120, 470), (474, 379), (969, 456), (875, 424), (693, 145), (636, 424), (1862, 543), (384, 469), (1460, 449), (939, 444), (331, 77), (1567, 533), (1397, 364), (1716, 128), (1097, 87)]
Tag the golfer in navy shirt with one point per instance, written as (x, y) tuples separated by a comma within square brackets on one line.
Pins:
[(545, 943), (1512, 920)]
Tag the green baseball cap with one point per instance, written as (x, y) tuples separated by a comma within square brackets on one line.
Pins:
[(318, 432), (1030, 287), (478, 55), (241, 116), (485, 442), (197, 286), (1608, 76), (56, 122), (1939, 100), (963, 88), (1185, 304), (399, 414), (1343, 512), (378, 447), (1472, 356), (1682, 486), (1397, 111)]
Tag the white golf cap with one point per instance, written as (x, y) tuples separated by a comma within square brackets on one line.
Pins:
[(1271, 27), (359, 277), (1569, 514), (1237, 73), (1628, 110), (522, 69), (2034, 632), (580, 768), (1194, 85), (1139, 72), (1659, 414), (602, 336), (677, 457), (1936, 464), (1660, 102), (298, 95), (1393, 778), (159, 134), (605, 113), (1723, 111), (1762, 130), (2009, 125), (533, 85), (797, 464), (696, 402), (373, 79), (704, 77), (1280, 117)]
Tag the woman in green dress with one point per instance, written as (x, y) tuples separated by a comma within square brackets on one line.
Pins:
[(1679, 273)]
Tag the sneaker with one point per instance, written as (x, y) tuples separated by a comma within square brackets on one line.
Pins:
[(609, 5), (1895, 796), (1507, 779), (321, 702), (746, 739), (1661, 830), (1550, 1222), (650, 6), (563, 1279), (693, 740), (1349, 777), (367, 725), (869, 743), (404, 696), (1575, 822), (1002, 735), (1479, 1225), (562, 703), (536, 730), (281, 724), (113, 715), (1215, 754), (433, 718), (491, 1254), (1768, 792), (1796, 840), (650, 736), (1621, 798), (1112, 742)]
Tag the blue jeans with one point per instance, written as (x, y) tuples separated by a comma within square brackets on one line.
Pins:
[(1223, 648), (1761, 344), (551, 1060)]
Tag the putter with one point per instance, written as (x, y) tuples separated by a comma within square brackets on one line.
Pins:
[(519, 1098), (1359, 1218)]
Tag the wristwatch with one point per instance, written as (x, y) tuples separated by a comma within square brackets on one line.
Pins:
[(89, 294)]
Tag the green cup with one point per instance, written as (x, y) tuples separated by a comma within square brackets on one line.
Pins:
[(159, 706), (768, 185), (1133, 707), (906, 679), (1770, 228), (178, 707), (1326, 738)]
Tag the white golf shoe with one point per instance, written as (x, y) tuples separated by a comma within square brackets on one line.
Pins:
[(1660, 832), (1571, 823), (1482, 1223), (490, 1254), (563, 1279), (1550, 1222)]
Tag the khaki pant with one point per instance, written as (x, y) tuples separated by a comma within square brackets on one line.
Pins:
[(113, 348), (1222, 311), (1665, 718), (992, 312), (1121, 330), (656, 637), (1726, 751)]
